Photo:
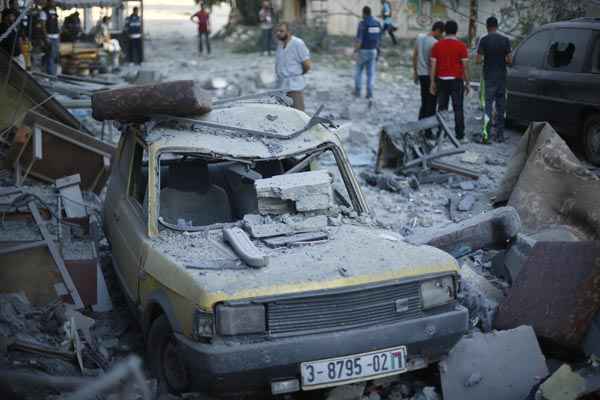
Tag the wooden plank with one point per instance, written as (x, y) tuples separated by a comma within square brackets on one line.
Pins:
[(447, 167), (58, 260), (21, 247), (71, 194)]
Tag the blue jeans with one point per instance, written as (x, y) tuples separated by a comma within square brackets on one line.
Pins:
[(267, 40), (367, 59), (52, 55)]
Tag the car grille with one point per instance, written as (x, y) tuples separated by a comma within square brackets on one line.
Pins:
[(337, 311)]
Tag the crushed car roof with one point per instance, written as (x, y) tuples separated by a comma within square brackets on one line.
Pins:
[(257, 131)]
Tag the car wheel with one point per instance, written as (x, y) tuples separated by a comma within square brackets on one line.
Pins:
[(591, 136), (165, 358)]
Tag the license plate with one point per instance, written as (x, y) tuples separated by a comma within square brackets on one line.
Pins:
[(354, 368)]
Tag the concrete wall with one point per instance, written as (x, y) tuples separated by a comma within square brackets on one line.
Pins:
[(411, 16)]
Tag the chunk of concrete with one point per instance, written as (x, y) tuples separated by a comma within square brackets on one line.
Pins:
[(479, 296), (494, 366), (347, 392), (516, 256), (493, 229), (466, 203), (566, 384)]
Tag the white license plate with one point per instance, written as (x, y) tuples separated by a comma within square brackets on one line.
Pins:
[(358, 367)]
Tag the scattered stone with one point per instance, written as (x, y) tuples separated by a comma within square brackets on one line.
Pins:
[(490, 160), (467, 185), (427, 393), (347, 392), (466, 203), (479, 296), (566, 384), (470, 157)]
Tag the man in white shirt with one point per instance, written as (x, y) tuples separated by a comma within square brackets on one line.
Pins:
[(422, 67), (292, 62)]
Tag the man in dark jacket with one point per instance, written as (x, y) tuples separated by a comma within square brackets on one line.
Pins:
[(50, 18), (133, 28), (366, 44)]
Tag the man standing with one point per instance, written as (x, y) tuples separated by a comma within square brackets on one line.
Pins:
[(496, 52), (50, 18), (292, 62), (265, 17), (449, 73), (366, 44), (37, 37), (133, 27), (388, 25), (422, 67), (203, 20)]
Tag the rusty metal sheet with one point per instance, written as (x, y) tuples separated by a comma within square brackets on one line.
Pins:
[(557, 292), (83, 273)]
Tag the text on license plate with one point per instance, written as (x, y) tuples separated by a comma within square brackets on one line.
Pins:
[(353, 368)]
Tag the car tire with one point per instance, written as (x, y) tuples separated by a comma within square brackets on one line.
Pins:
[(591, 139), (164, 358)]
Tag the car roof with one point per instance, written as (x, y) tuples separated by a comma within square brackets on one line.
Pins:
[(282, 129), (579, 23)]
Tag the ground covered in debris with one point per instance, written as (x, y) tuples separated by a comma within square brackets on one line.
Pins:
[(45, 339)]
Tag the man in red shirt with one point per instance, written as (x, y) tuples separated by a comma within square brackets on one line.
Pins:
[(203, 20), (450, 75)]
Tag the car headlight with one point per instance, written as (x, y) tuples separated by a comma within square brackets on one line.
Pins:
[(203, 324), (241, 320), (437, 292)]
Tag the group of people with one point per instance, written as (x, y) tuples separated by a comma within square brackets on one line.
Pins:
[(36, 41), (441, 68)]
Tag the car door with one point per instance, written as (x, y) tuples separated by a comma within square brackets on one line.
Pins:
[(127, 226), (523, 77), (566, 78)]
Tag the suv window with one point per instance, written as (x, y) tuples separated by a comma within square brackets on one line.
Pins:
[(139, 174), (531, 53), (568, 50), (596, 55)]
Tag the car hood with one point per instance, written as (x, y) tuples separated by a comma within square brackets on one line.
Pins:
[(203, 268)]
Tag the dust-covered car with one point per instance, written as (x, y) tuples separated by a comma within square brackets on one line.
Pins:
[(249, 255)]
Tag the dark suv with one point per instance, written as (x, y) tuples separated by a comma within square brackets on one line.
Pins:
[(555, 77)]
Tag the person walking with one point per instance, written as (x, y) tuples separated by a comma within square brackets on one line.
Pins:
[(50, 18), (292, 62), (366, 43), (265, 16), (495, 50), (202, 19), (422, 67), (133, 28), (388, 24), (450, 75)]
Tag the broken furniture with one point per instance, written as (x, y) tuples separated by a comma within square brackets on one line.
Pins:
[(49, 256), (138, 103), (419, 144), (79, 58), (559, 283), (48, 150)]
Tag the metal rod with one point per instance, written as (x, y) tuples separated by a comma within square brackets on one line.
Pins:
[(433, 156)]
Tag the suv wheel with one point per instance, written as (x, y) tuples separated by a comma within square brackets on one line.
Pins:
[(165, 359), (591, 137)]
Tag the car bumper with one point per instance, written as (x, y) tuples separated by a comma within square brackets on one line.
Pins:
[(251, 367)]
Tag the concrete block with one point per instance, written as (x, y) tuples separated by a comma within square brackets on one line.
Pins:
[(566, 384), (479, 296), (494, 366), (493, 229), (516, 256), (347, 392)]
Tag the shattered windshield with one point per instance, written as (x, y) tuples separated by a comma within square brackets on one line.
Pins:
[(198, 190)]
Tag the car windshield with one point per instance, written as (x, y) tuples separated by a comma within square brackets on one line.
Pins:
[(199, 191)]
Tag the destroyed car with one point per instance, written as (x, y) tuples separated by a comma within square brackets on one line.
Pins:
[(243, 243)]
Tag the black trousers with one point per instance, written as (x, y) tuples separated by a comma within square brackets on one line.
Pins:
[(428, 101), (135, 50), (453, 89)]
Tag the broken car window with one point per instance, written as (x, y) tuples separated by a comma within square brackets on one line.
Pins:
[(197, 190), (139, 174), (569, 49)]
